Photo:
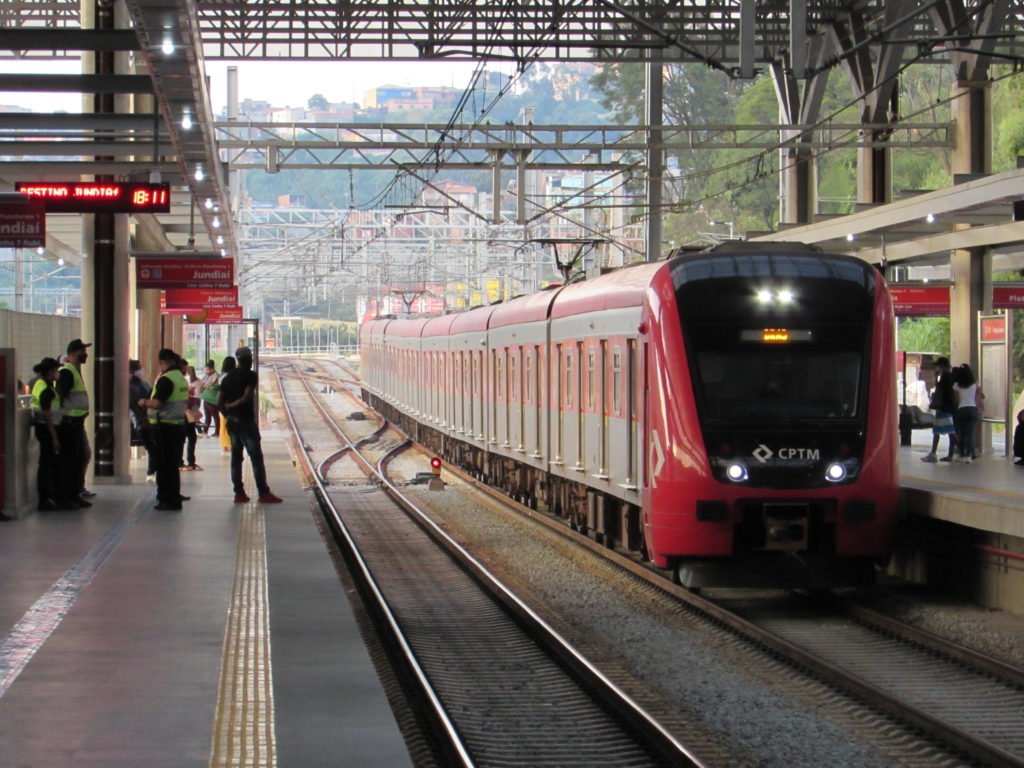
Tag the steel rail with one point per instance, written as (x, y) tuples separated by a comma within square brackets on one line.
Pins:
[(876, 696), (438, 716), (956, 737), (656, 736)]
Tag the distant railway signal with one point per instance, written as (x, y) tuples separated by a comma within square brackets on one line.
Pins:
[(436, 483)]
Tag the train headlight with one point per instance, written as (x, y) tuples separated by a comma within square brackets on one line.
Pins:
[(736, 472), (835, 472)]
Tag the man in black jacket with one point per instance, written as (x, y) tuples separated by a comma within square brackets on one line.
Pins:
[(238, 404)]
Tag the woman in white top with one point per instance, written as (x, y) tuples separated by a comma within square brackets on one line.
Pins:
[(966, 418)]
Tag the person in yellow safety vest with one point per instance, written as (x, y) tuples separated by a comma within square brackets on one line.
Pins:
[(47, 414), (167, 403), (74, 399)]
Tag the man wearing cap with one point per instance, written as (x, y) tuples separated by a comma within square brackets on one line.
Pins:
[(74, 398), (237, 402), (167, 403)]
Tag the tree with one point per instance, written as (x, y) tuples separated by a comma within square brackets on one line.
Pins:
[(923, 334), (318, 103)]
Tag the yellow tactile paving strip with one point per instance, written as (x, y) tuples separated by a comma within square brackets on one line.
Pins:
[(243, 733)]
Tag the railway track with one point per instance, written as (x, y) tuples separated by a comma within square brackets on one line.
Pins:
[(500, 686), (958, 696)]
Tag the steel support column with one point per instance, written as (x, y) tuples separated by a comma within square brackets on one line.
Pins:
[(496, 156), (971, 268), (655, 156)]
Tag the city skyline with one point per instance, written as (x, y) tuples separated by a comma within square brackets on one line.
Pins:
[(275, 82)]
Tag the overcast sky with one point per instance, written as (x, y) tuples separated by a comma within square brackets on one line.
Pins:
[(284, 84)]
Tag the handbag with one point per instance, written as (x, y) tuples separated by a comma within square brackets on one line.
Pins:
[(210, 394)]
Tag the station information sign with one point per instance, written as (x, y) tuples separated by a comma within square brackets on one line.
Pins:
[(99, 196), (199, 298), (184, 273), (920, 300), (22, 222), (212, 316), (1007, 296)]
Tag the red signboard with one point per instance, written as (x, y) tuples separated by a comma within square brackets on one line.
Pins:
[(99, 196), (215, 316), (1007, 297), (920, 300), (184, 273), (199, 298), (22, 224), (993, 329)]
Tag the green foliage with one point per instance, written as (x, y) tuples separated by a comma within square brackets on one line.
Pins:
[(923, 334), (328, 189), (1017, 319)]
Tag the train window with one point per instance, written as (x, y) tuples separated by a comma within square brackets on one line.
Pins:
[(616, 381), (818, 380), (514, 376), (568, 379), (529, 377), (591, 379)]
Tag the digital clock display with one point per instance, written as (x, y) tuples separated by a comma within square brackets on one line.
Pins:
[(99, 196)]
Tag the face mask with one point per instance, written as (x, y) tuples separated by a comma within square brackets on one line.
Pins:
[(138, 374)]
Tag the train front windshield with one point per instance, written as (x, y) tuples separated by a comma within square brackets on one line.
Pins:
[(753, 380), (776, 337)]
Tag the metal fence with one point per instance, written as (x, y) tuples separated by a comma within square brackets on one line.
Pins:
[(335, 350)]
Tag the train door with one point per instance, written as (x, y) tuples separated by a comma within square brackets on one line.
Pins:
[(478, 393), (471, 393), (631, 413), (562, 379), (529, 402), (538, 391), (462, 392), (522, 354), (603, 413), (515, 392), (494, 396), (645, 461), (580, 408)]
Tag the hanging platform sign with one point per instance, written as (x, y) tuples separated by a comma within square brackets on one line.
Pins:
[(920, 300), (99, 196), (22, 223), (215, 316), (1007, 296), (173, 273), (191, 300)]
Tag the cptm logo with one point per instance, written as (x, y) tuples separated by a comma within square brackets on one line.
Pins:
[(763, 453)]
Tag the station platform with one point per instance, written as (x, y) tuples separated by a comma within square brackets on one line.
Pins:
[(987, 494), (963, 530), (135, 637)]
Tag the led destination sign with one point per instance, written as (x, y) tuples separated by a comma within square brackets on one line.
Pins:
[(775, 335), (99, 196)]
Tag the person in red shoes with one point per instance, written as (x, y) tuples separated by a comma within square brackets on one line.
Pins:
[(237, 401)]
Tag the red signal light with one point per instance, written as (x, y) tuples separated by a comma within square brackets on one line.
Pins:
[(435, 465)]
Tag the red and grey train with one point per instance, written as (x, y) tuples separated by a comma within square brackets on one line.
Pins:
[(730, 414)]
